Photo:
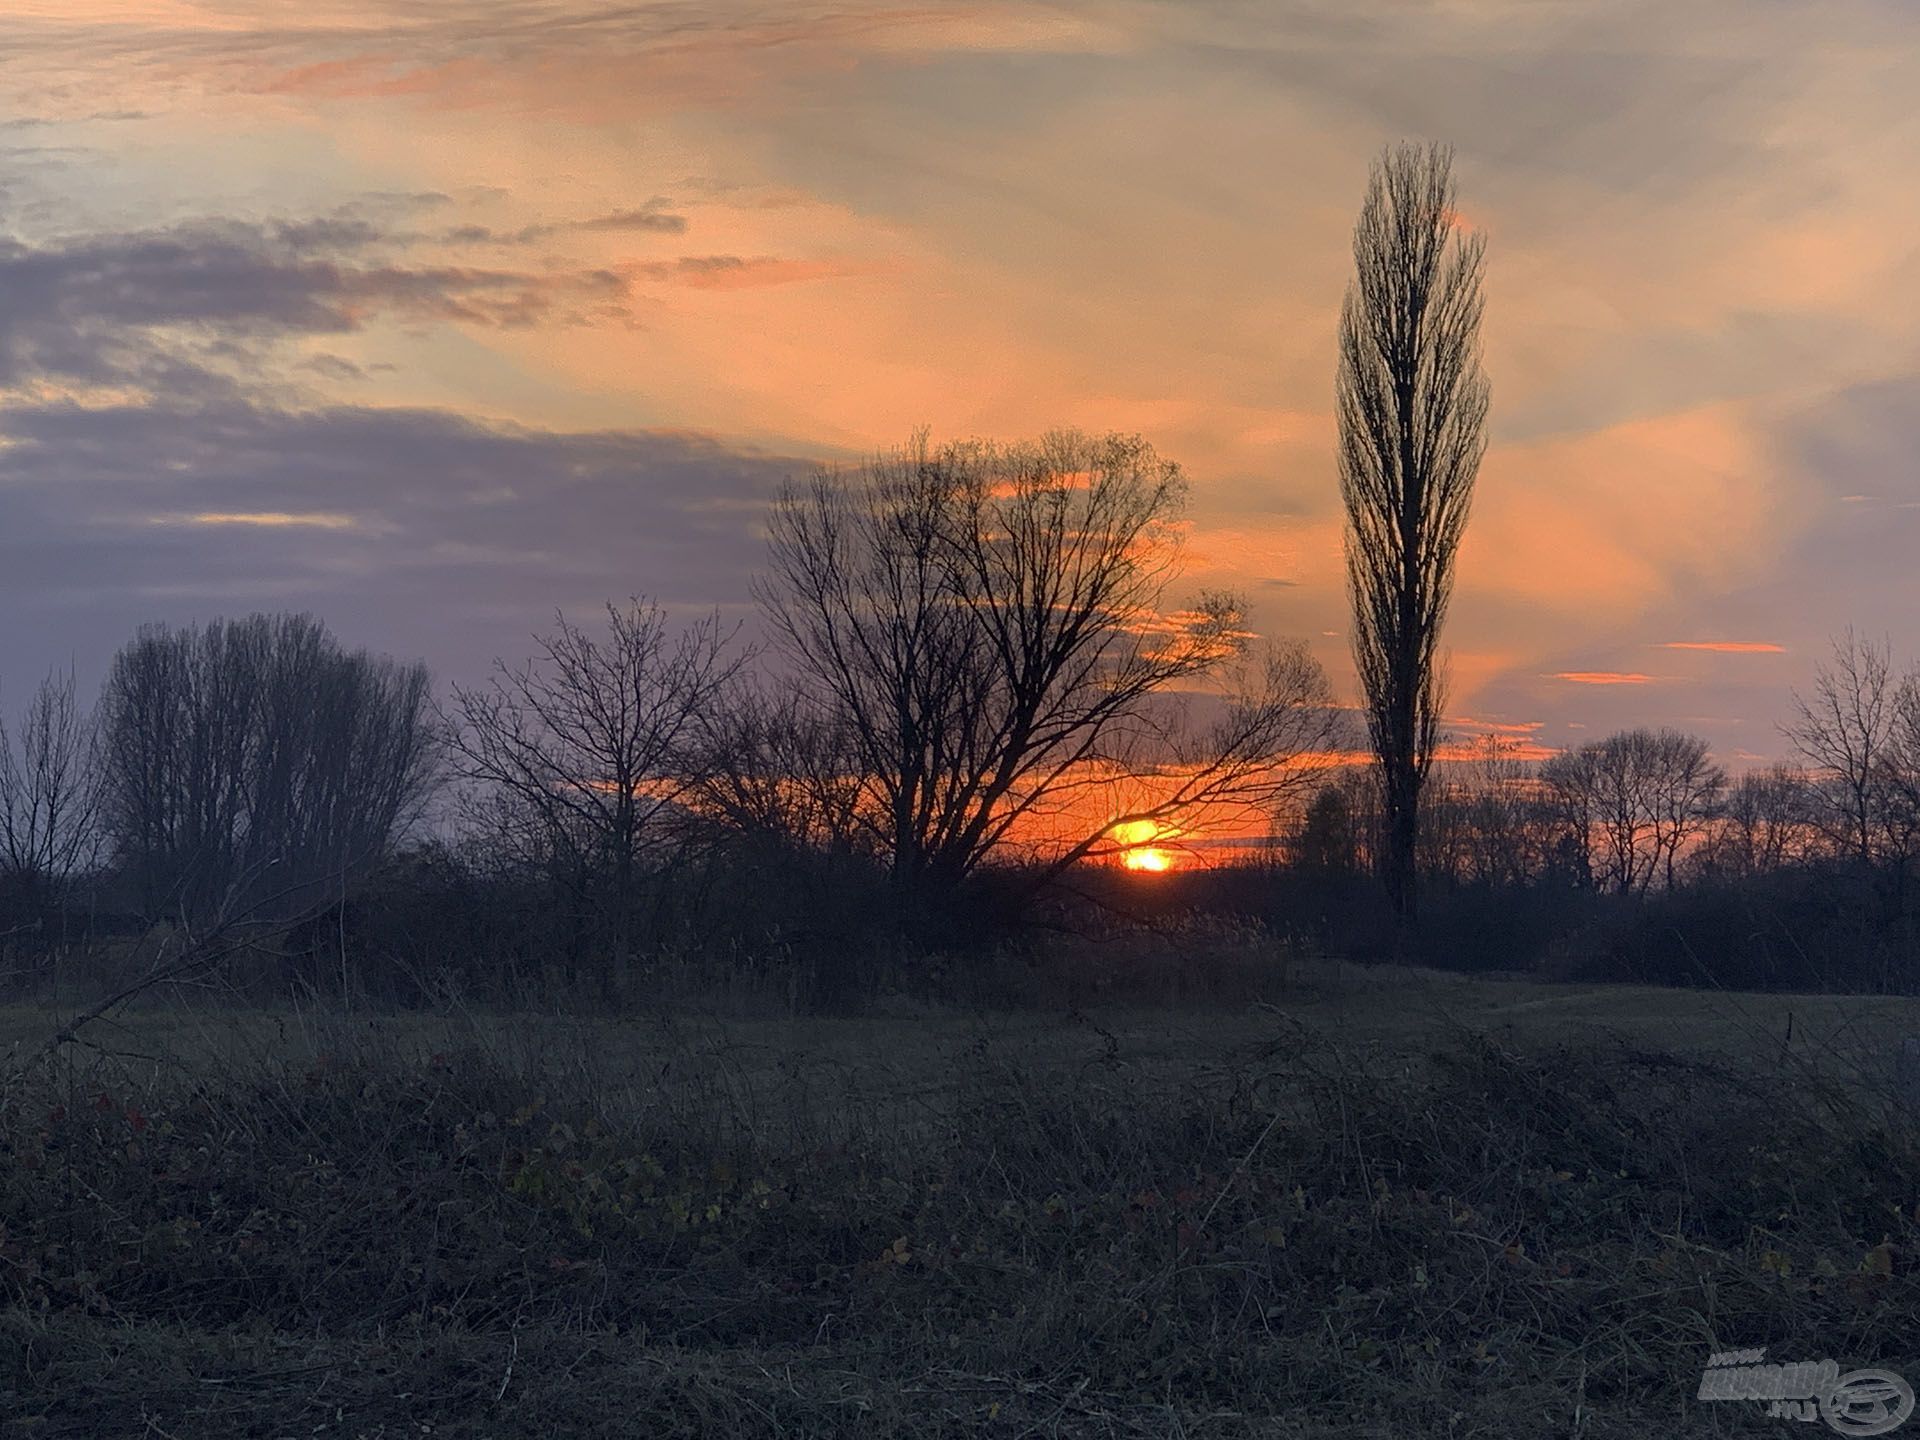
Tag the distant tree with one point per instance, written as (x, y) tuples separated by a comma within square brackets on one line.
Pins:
[(1899, 784), (984, 629), (256, 760), (1501, 816), (1633, 802), (1446, 837), (1572, 785), (1844, 731), (1328, 841), (775, 769), (1763, 823), (1412, 406), (49, 798), (582, 758), (1686, 789)]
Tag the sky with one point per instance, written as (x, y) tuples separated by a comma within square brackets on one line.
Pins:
[(433, 318)]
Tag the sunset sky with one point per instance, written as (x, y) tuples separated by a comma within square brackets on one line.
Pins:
[(433, 317)]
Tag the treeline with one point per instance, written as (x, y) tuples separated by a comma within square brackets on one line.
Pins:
[(1637, 856), (975, 678), (976, 685)]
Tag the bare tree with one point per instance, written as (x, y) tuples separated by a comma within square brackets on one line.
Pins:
[(48, 797), (1633, 802), (1685, 786), (1572, 787), (1844, 730), (774, 768), (1899, 781), (985, 627), (1500, 816), (1762, 824), (257, 753), (1412, 405), (581, 755)]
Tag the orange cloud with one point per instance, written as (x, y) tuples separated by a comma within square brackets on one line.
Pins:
[(1726, 647), (1527, 751), (1601, 677), (1499, 727)]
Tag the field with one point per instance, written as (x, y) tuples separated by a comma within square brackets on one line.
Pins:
[(1394, 1203)]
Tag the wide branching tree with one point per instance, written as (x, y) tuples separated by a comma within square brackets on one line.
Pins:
[(983, 629), (1412, 406), (256, 761)]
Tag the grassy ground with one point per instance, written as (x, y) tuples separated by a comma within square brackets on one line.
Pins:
[(1397, 1203), (909, 1051)]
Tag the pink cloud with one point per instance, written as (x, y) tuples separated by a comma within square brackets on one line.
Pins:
[(1726, 647)]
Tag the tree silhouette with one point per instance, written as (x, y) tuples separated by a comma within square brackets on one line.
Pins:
[(1633, 802), (257, 756), (583, 756), (1845, 732), (1412, 406), (985, 628)]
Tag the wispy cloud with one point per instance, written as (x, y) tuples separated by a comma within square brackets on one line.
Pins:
[(1524, 749), (170, 306), (735, 272), (652, 216), (1602, 677), (1726, 647), (270, 519), (1498, 727)]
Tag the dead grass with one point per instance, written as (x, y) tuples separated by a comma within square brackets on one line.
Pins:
[(906, 1047), (1402, 1205)]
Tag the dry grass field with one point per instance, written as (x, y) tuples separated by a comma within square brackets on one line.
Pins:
[(909, 1049), (1392, 1203)]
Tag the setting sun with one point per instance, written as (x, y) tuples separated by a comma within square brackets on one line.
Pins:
[(1140, 853)]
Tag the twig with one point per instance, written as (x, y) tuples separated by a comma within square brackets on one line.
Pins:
[(260, 1375), (507, 1379), (1238, 1169)]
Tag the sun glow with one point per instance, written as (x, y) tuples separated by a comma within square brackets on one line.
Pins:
[(1139, 852)]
